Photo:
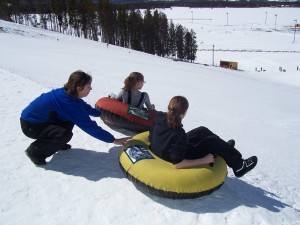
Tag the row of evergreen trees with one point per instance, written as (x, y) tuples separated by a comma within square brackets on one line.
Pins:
[(150, 32)]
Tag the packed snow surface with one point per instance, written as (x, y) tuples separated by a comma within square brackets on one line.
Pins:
[(257, 105)]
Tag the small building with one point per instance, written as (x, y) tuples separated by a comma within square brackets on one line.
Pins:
[(229, 64), (297, 24)]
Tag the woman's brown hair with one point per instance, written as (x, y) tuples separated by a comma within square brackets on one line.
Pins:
[(132, 79), (77, 79), (178, 106)]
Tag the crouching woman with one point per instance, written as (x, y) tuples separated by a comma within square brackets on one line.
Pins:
[(50, 118)]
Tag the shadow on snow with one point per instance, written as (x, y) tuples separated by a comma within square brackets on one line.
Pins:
[(89, 164), (234, 193)]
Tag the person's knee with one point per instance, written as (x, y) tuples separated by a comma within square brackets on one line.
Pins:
[(65, 136), (203, 130), (68, 136)]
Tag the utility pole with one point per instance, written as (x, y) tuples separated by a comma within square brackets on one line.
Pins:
[(266, 17), (295, 31), (227, 19), (213, 55)]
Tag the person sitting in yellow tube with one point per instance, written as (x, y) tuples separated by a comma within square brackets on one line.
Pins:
[(169, 141)]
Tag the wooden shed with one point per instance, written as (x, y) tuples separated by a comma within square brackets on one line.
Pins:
[(229, 64)]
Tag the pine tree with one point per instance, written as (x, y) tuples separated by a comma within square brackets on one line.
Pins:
[(164, 34), (172, 40), (135, 23), (122, 28), (107, 21), (194, 46), (4, 10), (15, 10), (58, 8), (148, 28), (179, 42), (156, 33), (73, 18), (190, 46)]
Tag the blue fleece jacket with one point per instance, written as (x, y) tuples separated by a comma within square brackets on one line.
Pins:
[(66, 108)]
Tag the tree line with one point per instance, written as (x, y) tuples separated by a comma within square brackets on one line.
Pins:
[(149, 31), (207, 3)]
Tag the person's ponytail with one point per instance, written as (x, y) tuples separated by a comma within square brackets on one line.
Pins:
[(178, 106)]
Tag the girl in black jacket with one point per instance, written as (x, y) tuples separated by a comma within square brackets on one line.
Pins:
[(169, 141)]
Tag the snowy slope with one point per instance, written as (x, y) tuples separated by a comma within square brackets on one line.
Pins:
[(260, 110)]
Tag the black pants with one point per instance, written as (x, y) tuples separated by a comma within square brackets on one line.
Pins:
[(202, 142), (50, 137)]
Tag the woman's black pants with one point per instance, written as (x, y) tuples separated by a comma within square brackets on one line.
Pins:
[(50, 137), (202, 142)]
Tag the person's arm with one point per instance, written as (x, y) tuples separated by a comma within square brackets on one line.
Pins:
[(79, 116), (119, 96), (95, 131), (188, 163), (121, 141), (83, 121), (90, 110), (178, 152), (147, 101)]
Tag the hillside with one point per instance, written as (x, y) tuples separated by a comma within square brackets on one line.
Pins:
[(85, 185)]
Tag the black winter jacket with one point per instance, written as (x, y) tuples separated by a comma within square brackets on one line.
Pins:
[(167, 143)]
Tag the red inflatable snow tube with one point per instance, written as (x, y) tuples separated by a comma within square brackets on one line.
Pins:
[(115, 113)]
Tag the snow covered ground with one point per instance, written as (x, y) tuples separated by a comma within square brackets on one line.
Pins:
[(85, 185)]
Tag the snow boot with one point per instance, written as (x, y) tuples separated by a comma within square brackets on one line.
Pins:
[(36, 160), (231, 142), (65, 147), (247, 165)]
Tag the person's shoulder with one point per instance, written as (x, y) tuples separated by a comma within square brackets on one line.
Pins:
[(160, 118), (58, 90), (181, 134), (51, 93), (61, 92), (161, 114), (180, 130), (145, 94), (122, 91)]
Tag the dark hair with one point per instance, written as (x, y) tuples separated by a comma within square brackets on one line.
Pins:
[(76, 79), (178, 106), (132, 79)]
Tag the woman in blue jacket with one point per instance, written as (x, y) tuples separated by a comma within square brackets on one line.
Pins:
[(50, 119)]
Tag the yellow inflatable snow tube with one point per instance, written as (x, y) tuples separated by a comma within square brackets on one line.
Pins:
[(158, 177)]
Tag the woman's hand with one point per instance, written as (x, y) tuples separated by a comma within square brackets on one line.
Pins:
[(121, 141), (209, 158), (189, 163), (111, 95)]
